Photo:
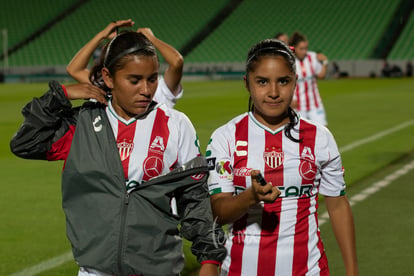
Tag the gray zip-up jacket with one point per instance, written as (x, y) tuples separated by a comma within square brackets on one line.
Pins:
[(111, 230)]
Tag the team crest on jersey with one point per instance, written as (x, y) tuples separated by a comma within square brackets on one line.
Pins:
[(307, 167), (125, 148), (158, 144), (153, 166), (273, 158)]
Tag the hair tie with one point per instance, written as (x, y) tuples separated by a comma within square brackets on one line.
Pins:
[(278, 50), (124, 53)]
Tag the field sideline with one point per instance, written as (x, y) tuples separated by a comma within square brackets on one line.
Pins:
[(33, 224)]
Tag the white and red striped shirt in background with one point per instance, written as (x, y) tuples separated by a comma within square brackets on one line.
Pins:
[(309, 102), (281, 238)]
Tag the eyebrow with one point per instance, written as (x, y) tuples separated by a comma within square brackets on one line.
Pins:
[(155, 74)]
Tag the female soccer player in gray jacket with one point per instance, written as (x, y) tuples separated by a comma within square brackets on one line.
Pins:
[(125, 158)]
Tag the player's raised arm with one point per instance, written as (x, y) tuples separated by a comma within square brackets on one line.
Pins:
[(173, 73), (78, 66)]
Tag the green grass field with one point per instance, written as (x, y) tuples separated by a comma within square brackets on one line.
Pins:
[(371, 119)]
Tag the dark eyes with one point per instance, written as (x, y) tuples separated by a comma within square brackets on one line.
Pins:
[(284, 81), (281, 81)]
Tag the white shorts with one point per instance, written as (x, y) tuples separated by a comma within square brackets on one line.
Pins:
[(316, 115)]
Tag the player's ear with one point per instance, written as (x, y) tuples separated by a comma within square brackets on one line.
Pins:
[(246, 82), (107, 78)]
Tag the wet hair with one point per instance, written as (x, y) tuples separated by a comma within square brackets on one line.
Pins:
[(273, 47), (116, 52), (297, 38)]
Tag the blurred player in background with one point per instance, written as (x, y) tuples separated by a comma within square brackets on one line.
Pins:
[(310, 66), (169, 86), (273, 227), (118, 220), (282, 37)]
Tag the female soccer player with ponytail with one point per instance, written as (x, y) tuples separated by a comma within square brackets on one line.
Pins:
[(126, 156), (274, 226)]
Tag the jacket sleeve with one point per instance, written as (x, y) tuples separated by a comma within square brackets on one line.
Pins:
[(197, 224), (46, 121)]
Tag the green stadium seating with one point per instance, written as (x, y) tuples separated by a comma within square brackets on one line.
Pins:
[(403, 48), (172, 21), (343, 30), (22, 17)]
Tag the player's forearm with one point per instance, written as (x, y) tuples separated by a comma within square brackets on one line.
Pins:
[(343, 227), (229, 209), (169, 53), (77, 67)]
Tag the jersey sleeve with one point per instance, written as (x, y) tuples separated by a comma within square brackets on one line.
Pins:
[(219, 157), (164, 95), (332, 176), (317, 66), (188, 141), (48, 126)]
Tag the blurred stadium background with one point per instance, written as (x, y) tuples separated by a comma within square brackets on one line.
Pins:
[(39, 37)]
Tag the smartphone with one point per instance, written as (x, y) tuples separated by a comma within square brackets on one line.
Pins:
[(260, 178)]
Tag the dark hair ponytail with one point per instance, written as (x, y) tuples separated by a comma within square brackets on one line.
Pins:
[(293, 120)]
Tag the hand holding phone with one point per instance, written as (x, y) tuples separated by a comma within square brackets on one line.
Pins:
[(260, 178)]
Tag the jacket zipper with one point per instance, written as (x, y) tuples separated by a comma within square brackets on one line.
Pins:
[(121, 233)]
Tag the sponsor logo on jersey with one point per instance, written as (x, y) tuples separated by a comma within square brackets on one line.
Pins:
[(307, 167), (241, 148), (153, 166), (125, 148), (273, 158), (157, 145), (295, 191), (211, 162), (242, 171), (97, 124), (307, 170)]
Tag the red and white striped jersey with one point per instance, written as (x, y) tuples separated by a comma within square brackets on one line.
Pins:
[(281, 238), (164, 95), (307, 92), (153, 145)]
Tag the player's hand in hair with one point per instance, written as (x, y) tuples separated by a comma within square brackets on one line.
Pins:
[(110, 31)]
